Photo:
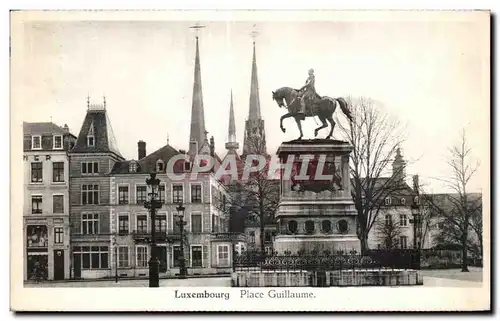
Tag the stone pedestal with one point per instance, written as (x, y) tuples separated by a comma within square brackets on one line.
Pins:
[(316, 211)]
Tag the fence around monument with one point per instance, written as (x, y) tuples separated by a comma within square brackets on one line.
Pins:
[(373, 260)]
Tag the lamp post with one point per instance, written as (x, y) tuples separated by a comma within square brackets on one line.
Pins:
[(182, 259), (152, 206), (417, 226), (116, 258)]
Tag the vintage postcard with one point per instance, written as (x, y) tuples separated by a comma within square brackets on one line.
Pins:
[(250, 160)]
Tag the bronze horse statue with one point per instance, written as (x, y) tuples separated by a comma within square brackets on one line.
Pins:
[(324, 107)]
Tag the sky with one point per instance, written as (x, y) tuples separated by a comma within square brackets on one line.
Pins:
[(431, 72)]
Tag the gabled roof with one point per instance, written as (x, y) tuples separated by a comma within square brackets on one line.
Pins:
[(96, 123)]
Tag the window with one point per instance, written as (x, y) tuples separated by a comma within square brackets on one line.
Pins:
[(223, 255), (123, 224), (416, 200), (403, 201), (36, 172), (196, 193), (122, 194), (90, 194), (123, 256), (403, 220), (58, 203), (141, 194), (403, 242), (215, 228), (178, 194), (142, 223), (58, 172), (90, 141), (90, 223), (141, 256), (161, 193), (132, 167), (388, 220), (177, 255), (309, 227), (36, 204), (36, 142), (342, 226), (58, 235), (388, 201), (268, 237), (326, 226), (89, 168), (58, 142), (161, 223), (91, 257), (292, 226), (252, 237), (160, 166), (196, 256), (196, 225)]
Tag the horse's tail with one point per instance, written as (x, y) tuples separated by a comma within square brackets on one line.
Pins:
[(345, 108)]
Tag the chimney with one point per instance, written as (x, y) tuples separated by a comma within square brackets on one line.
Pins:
[(66, 129), (141, 150), (212, 147)]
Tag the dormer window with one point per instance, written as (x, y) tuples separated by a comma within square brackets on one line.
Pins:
[(416, 200), (90, 136), (58, 142), (403, 201), (90, 141), (133, 167), (160, 166), (187, 166), (388, 200), (36, 142)]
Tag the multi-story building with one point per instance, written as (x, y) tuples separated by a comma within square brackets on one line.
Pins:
[(91, 160), (208, 246), (46, 200)]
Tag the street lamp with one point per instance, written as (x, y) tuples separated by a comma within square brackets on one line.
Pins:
[(152, 206), (182, 259), (417, 226)]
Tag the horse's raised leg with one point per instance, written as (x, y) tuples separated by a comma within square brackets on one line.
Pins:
[(297, 120), (332, 123), (285, 116), (320, 127)]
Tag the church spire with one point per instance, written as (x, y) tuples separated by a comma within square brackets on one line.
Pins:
[(231, 144), (254, 111), (254, 141), (197, 133)]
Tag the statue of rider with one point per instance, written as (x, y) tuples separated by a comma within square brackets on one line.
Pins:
[(308, 92)]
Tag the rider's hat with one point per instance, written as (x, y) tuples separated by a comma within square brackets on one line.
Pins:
[(311, 71)]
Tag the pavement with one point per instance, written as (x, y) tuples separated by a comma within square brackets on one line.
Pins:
[(432, 278)]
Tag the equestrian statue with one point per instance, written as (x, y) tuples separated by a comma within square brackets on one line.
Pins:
[(305, 102)]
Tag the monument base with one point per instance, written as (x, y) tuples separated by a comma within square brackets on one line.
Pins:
[(294, 244)]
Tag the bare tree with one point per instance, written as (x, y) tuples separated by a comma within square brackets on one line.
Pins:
[(456, 210), (259, 193), (388, 232), (375, 137)]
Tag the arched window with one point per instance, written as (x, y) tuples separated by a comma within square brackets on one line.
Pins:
[(342, 226), (416, 200), (326, 226), (160, 165), (403, 201), (292, 226), (309, 227)]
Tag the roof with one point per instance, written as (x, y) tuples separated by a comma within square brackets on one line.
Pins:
[(148, 163), (96, 123), (41, 128)]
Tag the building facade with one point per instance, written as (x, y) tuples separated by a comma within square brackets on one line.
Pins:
[(91, 161), (208, 245), (46, 201)]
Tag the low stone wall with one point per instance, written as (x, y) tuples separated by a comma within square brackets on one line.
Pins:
[(361, 277)]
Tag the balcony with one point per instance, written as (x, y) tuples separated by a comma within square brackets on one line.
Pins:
[(160, 236), (228, 237)]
